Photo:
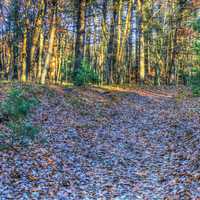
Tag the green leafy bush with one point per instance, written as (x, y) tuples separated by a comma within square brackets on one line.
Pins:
[(195, 81), (85, 75), (195, 78), (17, 104), (14, 109), (184, 76), (22, 132)]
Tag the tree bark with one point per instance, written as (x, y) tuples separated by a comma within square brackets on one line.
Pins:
[(80, 28), (40, 57), (24, 53), (142, 42), (36, 35), (50, 45)]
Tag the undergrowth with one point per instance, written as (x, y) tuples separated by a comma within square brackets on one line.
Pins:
[(14, 110), (85, 75), (195, 82)]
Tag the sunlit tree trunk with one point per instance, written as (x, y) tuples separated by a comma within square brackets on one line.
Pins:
[(141, 41), (50, 44), (118, 28), (60, 58), (104, 37), (130, 47), (24, 53), (36, 35), (124, 39), (40, 56)]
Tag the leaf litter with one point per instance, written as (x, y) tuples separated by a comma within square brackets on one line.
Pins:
[(104, 144)]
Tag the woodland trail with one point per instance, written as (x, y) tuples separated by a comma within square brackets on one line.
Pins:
[(121, 145)]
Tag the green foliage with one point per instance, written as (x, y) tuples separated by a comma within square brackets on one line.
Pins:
[(14, 109), (85, 75), (195, 81), (196, 46), (196, 25), (184, 75), (195, 72), (17, 104), (22, 132)]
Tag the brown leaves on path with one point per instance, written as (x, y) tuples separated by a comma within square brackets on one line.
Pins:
[(106, 143)]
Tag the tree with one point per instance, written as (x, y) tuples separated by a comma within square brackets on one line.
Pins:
[(37, 33), (80, 33), (123, 41), (52, 34)]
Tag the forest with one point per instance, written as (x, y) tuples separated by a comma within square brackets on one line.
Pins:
[(113, 42), (100, 99)]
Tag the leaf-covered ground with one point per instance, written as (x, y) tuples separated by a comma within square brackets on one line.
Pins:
[(123, 144)]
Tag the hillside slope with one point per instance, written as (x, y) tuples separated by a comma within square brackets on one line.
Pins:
[(102, 143)]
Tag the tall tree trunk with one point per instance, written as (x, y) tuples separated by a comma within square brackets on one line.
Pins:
[(110, 52), (88, 36), (124, 39), (130, 47), (102, 62), (36, 35), (24, 52), (15, 40), (172, 72), (40, 56), (50, 45), (142, 42), (118, 42), (80, 28)]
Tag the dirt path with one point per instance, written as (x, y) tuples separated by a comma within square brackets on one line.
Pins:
[(135, 144)]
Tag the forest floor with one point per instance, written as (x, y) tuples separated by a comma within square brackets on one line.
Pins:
[(108, 143)]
